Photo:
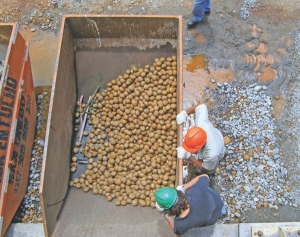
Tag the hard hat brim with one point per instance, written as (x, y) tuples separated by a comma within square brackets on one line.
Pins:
[(191, 150)]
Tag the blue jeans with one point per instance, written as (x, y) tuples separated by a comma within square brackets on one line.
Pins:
[(200, 7)]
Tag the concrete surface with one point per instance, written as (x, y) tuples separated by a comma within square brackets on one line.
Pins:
[(149, 229), (217, 230), (25, 230), (245, 229)]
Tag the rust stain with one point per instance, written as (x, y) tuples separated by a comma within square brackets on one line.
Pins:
[(260, 60), (268, 74), (201, 38), (262, 48), (283, 52), (197, 61), (250, 45), (277, 107), (269, 59), (193, 32), (255, 30), (288, 43)]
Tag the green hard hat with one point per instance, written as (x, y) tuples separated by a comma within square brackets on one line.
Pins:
[(166, 197)]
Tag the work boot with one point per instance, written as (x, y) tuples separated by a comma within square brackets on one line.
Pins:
[(191, 23)]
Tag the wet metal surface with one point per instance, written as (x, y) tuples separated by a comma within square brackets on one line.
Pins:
[(43, 50), (97, 67)]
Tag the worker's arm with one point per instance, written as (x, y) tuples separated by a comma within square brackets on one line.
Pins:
[(193, 181), (192, 109), (182, 116), (170, 221), (196, 162)]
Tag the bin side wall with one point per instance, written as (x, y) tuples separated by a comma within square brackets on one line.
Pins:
[(179, 167), (21, 149), (144, 27), (56, 166)]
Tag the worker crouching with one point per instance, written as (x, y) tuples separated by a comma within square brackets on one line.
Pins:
[(191, 205), (203, 144)]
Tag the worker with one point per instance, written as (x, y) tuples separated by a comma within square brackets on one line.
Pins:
[(200, 8), (203, 144), (191, 205)]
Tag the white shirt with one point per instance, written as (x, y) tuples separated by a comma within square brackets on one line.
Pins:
[(214, 149)]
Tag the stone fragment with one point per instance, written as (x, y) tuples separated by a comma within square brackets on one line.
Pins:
[(226, 140)]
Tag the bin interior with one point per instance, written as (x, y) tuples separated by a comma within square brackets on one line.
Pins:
[(5, 34), (94, 51)]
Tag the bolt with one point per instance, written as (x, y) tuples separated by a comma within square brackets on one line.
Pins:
[(260, 233)]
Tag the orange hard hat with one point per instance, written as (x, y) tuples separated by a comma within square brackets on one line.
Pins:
[(195, 139)]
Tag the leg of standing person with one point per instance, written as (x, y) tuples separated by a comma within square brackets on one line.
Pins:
[(207, 7), (199, 9)]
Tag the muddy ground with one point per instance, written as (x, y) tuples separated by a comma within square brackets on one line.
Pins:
[(263, 48)]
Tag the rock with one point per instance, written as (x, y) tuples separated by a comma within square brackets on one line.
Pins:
[(226, 140), (237, 214), (212, 80), (246, 157), (257, 88), (247, 189), (32, 29)]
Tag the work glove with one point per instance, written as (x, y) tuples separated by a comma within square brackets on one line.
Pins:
[(180, 188), (182, 153), (181, 117), (160, 209)]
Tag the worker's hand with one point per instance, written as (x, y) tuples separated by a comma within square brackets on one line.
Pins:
[(160, 209), (181, 117), (182, 153), (180, 188)]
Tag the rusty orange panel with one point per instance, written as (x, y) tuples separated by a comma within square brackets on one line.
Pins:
[(17, 124)]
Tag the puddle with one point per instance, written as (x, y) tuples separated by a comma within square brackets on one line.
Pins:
[(43, 51), (278, 106), (268, 74), (196, 78), (195, 62)]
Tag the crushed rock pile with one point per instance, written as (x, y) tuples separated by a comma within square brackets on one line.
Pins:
[(253, 173)]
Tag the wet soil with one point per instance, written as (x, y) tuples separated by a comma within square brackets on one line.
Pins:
[(223, 46)]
